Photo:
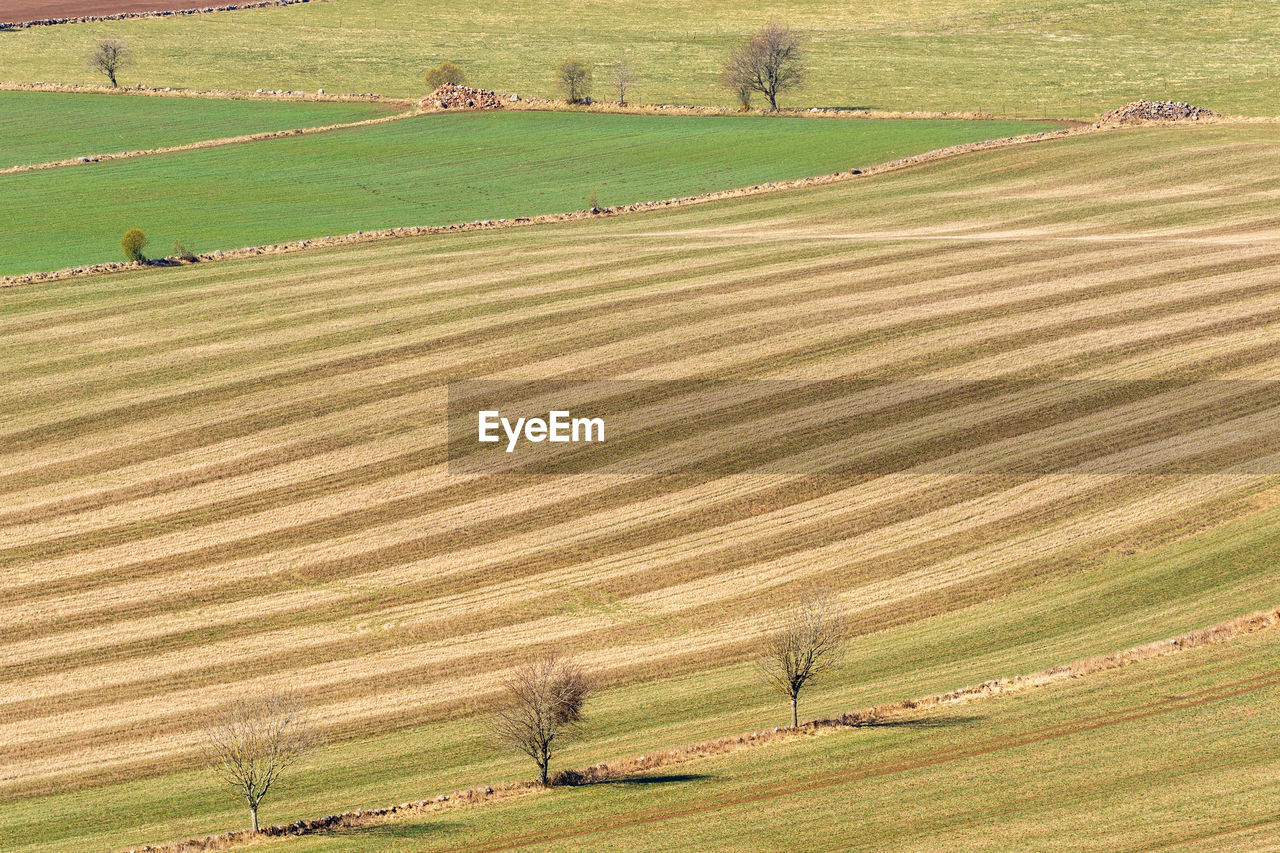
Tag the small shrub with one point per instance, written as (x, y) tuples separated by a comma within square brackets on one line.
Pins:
[(593, 203), (133, 242), (445, 72), (182, 253), (574, 78)]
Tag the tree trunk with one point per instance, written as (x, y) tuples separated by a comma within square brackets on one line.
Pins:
[(253, 813), (542, 772), (795, 720), (112, 76), (773, 101)]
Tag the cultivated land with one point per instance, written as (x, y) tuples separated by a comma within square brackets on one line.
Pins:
[(431, 170), (234, 471), (1163, 755), (32, 10), (1058, 58), (39, 127)]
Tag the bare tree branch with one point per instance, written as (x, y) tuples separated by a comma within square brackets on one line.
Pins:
[(624, 79), (769, 62), (544, 701), (253, 741), (108, 57), (810, 643)]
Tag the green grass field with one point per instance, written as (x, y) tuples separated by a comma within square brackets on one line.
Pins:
[(1170, 754), (39, 127), (1058, 58), (430, 170), (231, 472)]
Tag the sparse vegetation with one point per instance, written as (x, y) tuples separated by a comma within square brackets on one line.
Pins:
[(182, 253), (770, 62), (891, 56), (445, 72), (543, 702), (573, 76), (133, 242), (109, 57)]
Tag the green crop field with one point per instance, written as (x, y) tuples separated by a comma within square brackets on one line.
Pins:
[(430, 170), (1163, 755), (1057, 58), (230, 475), (40, 127)]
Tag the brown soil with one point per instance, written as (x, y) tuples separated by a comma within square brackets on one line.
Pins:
[(68, 11)]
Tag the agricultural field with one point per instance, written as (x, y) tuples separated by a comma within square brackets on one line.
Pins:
[(1159, 756), (428, 170), (1060, 58), (42, 127), (224, 476)]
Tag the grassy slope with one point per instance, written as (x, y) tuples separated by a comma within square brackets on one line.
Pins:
[(1167, 754), (1123, 601), (38, 127), (1061, 57), (228, 472), (431, 170)]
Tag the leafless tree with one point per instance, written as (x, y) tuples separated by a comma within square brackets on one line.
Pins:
[(108, 57), (769, 62), (253, 741), (544, 701), (624, 78), (810, 643), (574, 77)]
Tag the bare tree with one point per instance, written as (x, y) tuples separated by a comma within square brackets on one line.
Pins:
[(810, 643), (543, 703), (574, 78), (108, 57), (769, 62), (624, 78), (252, 742)]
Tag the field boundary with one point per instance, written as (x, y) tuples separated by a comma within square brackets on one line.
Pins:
[(274, 95), (204, 143), (160, 13), (1245, 625), (547, 218)]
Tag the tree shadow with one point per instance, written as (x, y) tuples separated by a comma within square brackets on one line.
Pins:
[(657, 779), (423, 826), (939, 722)]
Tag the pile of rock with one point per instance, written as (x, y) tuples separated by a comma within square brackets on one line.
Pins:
[(1143, 111), (451, 96)]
